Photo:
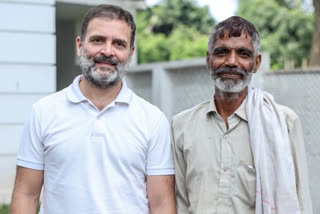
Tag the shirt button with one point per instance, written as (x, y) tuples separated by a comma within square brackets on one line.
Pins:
[(225, 136)]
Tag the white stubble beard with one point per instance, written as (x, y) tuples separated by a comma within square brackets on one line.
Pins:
[(231, 85)]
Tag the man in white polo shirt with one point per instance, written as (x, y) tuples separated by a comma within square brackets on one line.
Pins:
[(96, 147)]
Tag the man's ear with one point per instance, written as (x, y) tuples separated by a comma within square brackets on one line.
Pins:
[(257, 63), (208, 60), (79, 45), (132, 50)]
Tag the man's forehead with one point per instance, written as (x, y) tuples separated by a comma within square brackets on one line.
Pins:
[(229, 39), (102, 20), (99, 25), (230, 33)]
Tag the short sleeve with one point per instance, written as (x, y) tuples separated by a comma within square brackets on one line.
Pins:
[(30, 153), (159, 159)]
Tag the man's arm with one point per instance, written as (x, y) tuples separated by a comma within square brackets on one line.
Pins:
[(26, 193), (180, 175), (160, 191), (160, 171), (300, 163)]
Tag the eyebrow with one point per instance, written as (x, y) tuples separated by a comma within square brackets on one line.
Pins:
[(242, 49), (96, 37), (104, 38), (219, 49)]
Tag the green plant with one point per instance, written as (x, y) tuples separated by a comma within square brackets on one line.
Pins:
[(4, 209)]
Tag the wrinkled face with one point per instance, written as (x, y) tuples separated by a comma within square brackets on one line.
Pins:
[(105, 52), (232, 63)]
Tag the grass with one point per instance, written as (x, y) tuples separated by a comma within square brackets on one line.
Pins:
[(4, 209)]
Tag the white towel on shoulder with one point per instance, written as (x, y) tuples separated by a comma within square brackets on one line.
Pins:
[(275, 183)]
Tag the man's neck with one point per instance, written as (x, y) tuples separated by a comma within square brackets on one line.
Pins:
[(228, 103), (100, 97)]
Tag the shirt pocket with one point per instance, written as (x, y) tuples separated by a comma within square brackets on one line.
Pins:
[(245, 183)]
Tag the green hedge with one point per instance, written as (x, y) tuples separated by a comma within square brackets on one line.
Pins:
[(4, 209)]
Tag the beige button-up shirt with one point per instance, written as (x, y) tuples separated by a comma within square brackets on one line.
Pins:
[(214, 166)]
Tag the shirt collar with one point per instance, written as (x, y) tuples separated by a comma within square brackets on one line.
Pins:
[(212, 107), (125, 94), (75, 95), (240, 112)]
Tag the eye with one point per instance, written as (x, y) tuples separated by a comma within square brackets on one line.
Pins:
[(244, 53), (220, 52), (120, 44), (96, 40)]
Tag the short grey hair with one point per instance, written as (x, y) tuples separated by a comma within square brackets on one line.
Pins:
[(234, 25)]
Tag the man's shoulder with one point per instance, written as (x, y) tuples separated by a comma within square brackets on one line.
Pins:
[(52, 99), (147, 115), (288, 112), (196, 112), (143, 110), (141, 103), (290, 115)]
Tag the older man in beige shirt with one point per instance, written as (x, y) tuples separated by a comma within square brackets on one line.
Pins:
[(213, 155)]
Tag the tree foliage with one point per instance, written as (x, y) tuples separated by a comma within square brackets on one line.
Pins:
[(173, 30), (178, 29), (290, 4), (285, 29)]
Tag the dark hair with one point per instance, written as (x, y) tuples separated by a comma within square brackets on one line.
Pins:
[(110, 12), (234, 25)]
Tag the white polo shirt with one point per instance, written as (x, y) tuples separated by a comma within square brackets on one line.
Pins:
[(95, 161)]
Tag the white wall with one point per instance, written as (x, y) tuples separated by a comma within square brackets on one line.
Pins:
[(27, 70)]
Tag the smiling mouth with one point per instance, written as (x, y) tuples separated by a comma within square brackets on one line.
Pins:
[(104, 66), (106, 63), (230, 75)]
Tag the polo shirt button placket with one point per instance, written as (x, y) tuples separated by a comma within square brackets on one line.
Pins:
[(99, 128)]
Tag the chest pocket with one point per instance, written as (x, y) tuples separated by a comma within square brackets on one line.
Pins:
[(245, 183)]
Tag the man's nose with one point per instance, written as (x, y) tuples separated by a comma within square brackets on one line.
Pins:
[(232, 60), (107, 50)]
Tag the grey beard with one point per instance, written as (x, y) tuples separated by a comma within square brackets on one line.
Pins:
[(231, 85), (108, 77)]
